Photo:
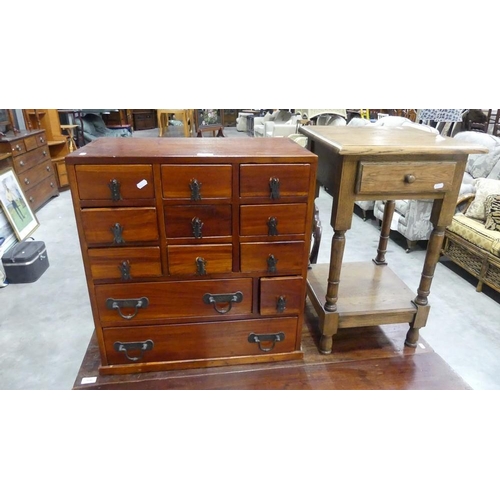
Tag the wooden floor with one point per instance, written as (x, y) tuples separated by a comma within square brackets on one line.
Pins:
[(362, 358)]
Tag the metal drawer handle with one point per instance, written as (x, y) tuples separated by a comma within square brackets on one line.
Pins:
[(195, 187), (119, 304), (18, 147), (281, 304), (274, 186), (44, 153), (255, 338), (222, 302), (117, 231), (197, 226), (410, 178), (272, 262), (21, 163), (114, 187), (134, 346), (272, 226), (26, 181)]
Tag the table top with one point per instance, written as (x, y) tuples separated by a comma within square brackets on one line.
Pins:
[(386, 141)]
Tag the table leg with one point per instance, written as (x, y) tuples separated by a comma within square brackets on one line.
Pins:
[(385, 232), (337, 254), (431, 259)]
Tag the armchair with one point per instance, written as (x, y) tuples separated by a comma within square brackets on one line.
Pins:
[(94, 127), (281, 123)]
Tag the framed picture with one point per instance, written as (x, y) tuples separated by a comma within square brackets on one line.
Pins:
[(15, 205)]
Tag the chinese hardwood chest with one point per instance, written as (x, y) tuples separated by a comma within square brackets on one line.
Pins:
[(195, 249)]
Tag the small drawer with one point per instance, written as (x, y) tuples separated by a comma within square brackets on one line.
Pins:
[(275, 258), (34, 141), (198, 260), (198, 221), (17, 147), (200, 341), (115, 183), (196, 182), (274, 181), (30, 159), (174, 299), (273, 220), (35, 175), (404, 178), (125, 263), (120, 226), (282, 295)]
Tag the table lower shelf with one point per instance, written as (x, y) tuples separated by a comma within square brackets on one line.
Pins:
[(369, 295)]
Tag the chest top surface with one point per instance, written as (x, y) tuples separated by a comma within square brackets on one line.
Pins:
[(387, 141), (150, 149)]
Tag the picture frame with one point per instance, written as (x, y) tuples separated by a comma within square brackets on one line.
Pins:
[(15, 206)]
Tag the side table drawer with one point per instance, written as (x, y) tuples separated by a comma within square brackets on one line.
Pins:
[(404, 177), (200, 340)]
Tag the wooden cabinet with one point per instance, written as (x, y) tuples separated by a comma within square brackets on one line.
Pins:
[(195, 251), (144, 119), (48, 120), (33, 165)]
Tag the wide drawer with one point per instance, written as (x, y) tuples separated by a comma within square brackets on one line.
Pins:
[(174, 299), (115, 182), (37, 195), (200, 340), (283, 257), (31, 159), (401, 178), (196, 182), (282, 295), (198, 221), (119, 226), (274, 181), (125, 263), (35, 175), (273, 220), (198, 260)]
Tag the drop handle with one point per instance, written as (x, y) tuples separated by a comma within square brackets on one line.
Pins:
[(410, 178), (222, 302), (269, 339), (141, 347)]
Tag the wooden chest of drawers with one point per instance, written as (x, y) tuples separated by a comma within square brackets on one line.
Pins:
[(195, 250), (32, 164)]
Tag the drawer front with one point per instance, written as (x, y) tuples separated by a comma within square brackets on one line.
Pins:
[(404, 177), (196, 182), (41, 192), (17, 147), (175, 299), (125, 263), (291, 180), (273, 220), (100, 182), (280, 258), (35, 175), (62, 173), (199, 340), (198, 260), (34, 141), (282, 295), (198, 221), (119, 226), (31, 159)]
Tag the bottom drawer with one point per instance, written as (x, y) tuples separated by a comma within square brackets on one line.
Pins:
[(198, 341)]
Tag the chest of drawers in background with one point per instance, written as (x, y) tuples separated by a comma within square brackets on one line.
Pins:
[(195, 249), (32, 164)]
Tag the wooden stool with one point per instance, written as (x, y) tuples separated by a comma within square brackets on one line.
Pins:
[(211, 128), (71, 138)]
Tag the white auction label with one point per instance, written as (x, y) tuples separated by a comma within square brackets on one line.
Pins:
[(440, 185), (89, 380), (143, 183)]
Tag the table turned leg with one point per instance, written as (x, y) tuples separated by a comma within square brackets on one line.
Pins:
[(385, 232), (337, 254), (431, 259)]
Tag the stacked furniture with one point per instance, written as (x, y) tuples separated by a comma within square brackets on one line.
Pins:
[(32, 164), (195, 251)]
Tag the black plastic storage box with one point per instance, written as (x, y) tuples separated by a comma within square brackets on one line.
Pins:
[(25, 262)]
